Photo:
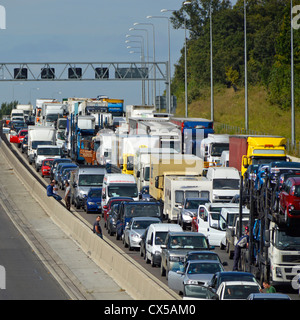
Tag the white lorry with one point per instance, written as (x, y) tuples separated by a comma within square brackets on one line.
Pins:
[(46, 151), (177, 188), (51, 112), (103, 143), (142, 164), (139, 111), (212, 147), (39, 135), (226, 183), (118, 185)]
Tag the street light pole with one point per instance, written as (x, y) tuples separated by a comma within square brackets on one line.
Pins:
[(292, 81), (211, 68), (245, 58)]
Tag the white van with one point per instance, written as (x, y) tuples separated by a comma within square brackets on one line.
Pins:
[(156, 236), (119, 185)]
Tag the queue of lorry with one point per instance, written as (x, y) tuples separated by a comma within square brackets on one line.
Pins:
[(180, 172)]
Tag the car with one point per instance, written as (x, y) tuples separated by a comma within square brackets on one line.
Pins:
[(189, 210), (46, 166), (134, 230), (61, 166), (18, 137), (194, 272), (63, 177), (144, 194), (176, 245), (110, 202), (112, 219), (92, 201), (220, 277), (289, 200), (237, 290), (55, 164), (198, 292), (143, 243), (203, 255), (24, 145), (268, 296)]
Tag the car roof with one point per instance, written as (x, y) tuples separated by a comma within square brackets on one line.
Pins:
[(270, 296), (202, 251), (136, 203), (236, 283), (119, 198), (186, 233), (146, 218), (204, 261)]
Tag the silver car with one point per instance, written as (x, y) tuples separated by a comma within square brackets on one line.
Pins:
[(194, 272), (135, 229)]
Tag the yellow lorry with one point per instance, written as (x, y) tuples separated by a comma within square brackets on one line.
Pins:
[(246, 150), (171, 164)]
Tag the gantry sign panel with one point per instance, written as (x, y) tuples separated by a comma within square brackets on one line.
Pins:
[(59, 71)]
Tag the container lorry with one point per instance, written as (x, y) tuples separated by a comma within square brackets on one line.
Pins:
[(173, 164), (245, 150), (139, 111), (211, 148), (193, 130), (39, 135)]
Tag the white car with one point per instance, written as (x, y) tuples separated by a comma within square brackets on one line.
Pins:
[(237, 290)]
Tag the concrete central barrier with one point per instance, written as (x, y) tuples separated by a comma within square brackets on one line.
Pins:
[(138, 282)]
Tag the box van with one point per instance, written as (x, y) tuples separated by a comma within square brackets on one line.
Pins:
[(226, 183), (156, 236), (119, 185), (84, 178)]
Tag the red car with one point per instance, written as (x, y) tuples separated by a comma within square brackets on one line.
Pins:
[(289, 199), (46, 167), (19, 137)]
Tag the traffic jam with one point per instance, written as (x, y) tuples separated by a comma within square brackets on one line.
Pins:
[(213, 216)]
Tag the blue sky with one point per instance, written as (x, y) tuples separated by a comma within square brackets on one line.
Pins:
[(82, 31)]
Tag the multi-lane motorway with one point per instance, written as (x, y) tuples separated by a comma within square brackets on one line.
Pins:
[(90, 219)]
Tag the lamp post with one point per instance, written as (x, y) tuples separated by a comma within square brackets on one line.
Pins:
[(143, 61), (292, 82), (147, 42), (245, 61), (169, 60), (154, 69)]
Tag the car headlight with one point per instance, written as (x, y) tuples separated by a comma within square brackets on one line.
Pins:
[(192, 282), (135, 236), (91, 203)]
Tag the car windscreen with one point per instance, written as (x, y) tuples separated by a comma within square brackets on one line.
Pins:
[(123, 191), (188, 242), (142, 210), (239, 291), (141, 224), (95, 193), (36, 143), (194, 204), (204, 268), (90, 180)]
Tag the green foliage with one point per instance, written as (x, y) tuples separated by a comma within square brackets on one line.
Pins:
[(6, 108), (268, 47)]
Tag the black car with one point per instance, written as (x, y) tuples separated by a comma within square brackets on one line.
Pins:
[(55, 164), (220, 277), (24, 144), (112, 219)]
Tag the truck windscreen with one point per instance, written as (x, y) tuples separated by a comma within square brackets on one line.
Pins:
[(90, 180), (231, 184), (124, 190)]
